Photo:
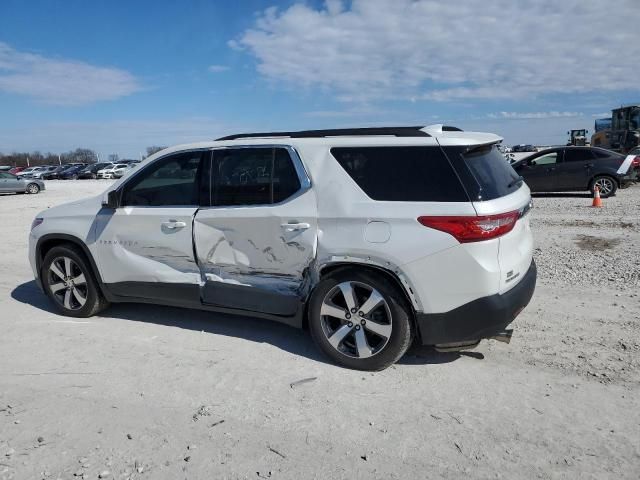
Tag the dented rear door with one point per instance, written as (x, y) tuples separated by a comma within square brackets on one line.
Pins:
[(257, 240)]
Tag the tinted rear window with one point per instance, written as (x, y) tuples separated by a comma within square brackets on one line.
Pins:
[(492, 172), (402, 174)]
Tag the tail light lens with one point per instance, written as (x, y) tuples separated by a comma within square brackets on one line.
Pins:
[(635, 163), (473, 229)]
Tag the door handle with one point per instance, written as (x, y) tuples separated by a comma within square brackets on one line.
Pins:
[(294, 227), (551, 169), (588, 165), (173, 224)]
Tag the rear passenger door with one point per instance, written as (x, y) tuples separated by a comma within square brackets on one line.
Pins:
[(575, 170), (257, 237)]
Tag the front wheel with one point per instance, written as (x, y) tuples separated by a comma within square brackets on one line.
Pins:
[(69, 282), (360, 320), (33, 188), (605, 184)]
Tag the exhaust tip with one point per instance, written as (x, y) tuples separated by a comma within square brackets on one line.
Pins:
[(504, 337)]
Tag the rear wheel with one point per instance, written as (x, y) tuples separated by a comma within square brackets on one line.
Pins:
[(607, 186), (69, 282), (360, 320), (33, 188)]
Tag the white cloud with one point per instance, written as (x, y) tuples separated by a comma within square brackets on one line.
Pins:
[(217, 68), (533, 115), (59, 81), (427, 49)]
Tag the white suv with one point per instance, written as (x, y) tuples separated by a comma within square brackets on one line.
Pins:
[(367, 237)]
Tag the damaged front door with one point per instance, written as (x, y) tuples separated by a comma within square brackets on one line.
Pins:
[(257, 240), (145, 246)]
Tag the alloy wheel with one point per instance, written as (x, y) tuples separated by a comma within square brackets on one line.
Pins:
[(605, 185), (33, 188), (356, 319), (67, 283)]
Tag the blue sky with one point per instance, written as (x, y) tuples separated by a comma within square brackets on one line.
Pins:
[(117, 76)]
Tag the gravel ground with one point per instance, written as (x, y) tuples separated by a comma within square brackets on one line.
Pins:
[(160, 393)]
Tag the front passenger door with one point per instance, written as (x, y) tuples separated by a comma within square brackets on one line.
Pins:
[(540, 173), (9, 183), (145, 246)]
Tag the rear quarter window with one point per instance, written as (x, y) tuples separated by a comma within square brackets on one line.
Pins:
[(492, 173), (402, 174)]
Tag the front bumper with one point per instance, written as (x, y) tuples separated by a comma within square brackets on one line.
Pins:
[(482, 318)]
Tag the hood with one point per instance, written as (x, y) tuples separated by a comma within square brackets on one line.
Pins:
[(87, 206)]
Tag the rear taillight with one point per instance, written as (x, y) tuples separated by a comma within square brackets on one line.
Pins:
[(473, 229), (635, 163)]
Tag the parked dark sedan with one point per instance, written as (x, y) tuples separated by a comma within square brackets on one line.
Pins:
[(91, 171), (567, 169), (71, 173), (60, 170)]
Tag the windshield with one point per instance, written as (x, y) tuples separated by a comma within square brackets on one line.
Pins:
[(492, 172)]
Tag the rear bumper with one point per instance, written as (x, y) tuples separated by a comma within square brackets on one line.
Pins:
[(481, 318)]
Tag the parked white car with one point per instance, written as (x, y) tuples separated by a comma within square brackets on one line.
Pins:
[(107, 172), (370, 238), (120, 172)]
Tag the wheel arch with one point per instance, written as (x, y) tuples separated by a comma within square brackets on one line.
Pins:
[(49, 241), (403, 288), (612, 176)]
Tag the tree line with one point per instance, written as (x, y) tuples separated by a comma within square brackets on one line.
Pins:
[(79, 155)]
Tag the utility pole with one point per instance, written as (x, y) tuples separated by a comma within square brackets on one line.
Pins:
[(59, 161)]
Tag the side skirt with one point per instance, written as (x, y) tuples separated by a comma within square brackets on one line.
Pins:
[(188, 296)]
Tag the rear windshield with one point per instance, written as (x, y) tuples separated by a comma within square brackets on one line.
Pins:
[(492, 172), (402, 174)]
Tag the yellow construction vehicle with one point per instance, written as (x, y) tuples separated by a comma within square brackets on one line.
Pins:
[(621, 132)]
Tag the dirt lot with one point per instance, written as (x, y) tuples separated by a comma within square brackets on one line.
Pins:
[(152, 392)]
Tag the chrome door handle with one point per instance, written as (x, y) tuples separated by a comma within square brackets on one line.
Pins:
[(293, 227), (173, 224)]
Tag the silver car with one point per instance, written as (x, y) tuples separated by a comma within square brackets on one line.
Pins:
[(11, 184)]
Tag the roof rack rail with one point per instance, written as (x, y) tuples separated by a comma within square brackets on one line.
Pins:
[(338, 132)]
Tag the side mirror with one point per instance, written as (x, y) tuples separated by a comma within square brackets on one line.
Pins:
[(112, 201)]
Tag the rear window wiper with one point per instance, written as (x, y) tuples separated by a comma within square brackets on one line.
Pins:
[(515, 180)]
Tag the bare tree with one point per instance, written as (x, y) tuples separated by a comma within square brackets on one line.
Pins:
[(154, 149), (113, 157)]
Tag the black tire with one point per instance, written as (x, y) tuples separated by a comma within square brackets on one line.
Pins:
[(33, 188), (390, 349), (94, 302), (608, 180)]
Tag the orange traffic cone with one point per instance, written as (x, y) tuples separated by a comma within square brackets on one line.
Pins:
[(597, 201)]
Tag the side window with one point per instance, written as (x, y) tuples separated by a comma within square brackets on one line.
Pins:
[(577, 155), (548, 159), (402, 174), (5, 175), (599, 154), (171, 181), (253, 176)]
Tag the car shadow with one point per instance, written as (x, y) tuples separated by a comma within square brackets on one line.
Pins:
[(289, 339), (561, 195)]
